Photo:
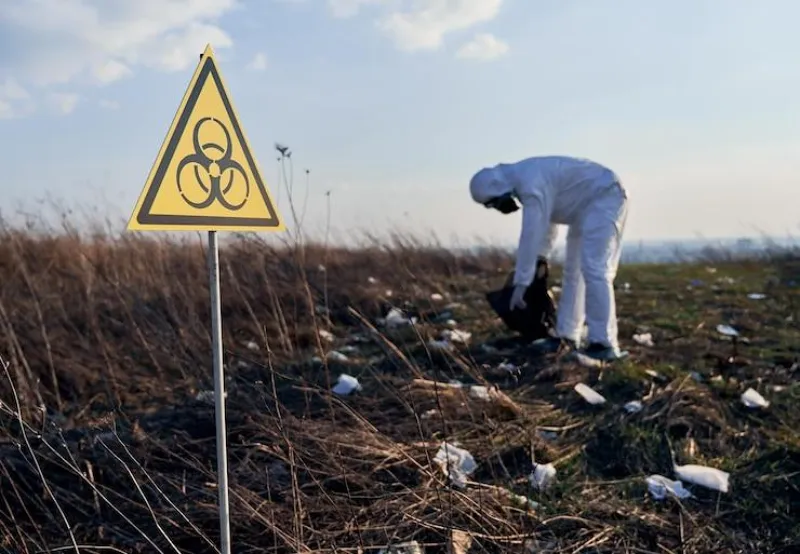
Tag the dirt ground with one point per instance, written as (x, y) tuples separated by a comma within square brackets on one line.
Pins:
[(107, 419)]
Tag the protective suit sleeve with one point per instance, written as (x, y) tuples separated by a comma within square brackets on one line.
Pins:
[(549, 242), (537, 232)]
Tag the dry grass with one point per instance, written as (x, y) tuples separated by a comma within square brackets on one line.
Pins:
[(107, 448)]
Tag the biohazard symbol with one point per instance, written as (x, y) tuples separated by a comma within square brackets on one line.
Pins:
[(205, 176), (213, 165)]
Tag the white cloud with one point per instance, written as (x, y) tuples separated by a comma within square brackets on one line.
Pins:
[(258, 63), (108, 104), (50, 42), (482, 47), (14, 100), (424, 25), (63, 103), (343, 9)]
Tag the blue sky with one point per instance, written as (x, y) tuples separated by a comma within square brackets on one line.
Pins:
[(393, 104)]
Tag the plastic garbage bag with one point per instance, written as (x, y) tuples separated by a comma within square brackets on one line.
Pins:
[(538, 318)]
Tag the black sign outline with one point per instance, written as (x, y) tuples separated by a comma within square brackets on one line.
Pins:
[(145, 217)]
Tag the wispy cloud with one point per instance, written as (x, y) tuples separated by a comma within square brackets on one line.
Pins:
[(258, 63), (482, 47)]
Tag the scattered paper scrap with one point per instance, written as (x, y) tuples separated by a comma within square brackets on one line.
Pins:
[(456, 463), (756, 296), (396, 318), (659, 486), (645, 339), (252, 345), (436, 297), (542, 476), (480, 391), (346, 384), (752, 399), (704, 476), (589, 394), (327, 336)]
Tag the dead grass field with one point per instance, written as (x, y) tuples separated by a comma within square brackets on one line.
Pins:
[(108, 436)]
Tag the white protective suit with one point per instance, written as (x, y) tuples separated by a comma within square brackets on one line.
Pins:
[(590, 199)]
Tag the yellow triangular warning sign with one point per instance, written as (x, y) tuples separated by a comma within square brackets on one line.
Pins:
[(205, 176)]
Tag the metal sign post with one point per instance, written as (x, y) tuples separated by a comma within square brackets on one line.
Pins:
[(206, 178)]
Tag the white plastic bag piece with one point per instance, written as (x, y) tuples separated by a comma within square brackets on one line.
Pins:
[(727, 330), (752, 399), (659, 486), (481, 392), (251, 345), (436, 297), (327, 336), (461, 463), (412, 547), (586, 361), (396, 318), (633, 407), (371, 280), (335, 356), (644, 339), (756, 296), (346, 384), (704, 476), (454, 335), (542, 476), (589, 394)]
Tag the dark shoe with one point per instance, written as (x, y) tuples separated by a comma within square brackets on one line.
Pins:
[(603, 353), (552, 345)]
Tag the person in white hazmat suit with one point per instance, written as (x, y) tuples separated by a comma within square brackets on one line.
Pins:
[(590, 199)]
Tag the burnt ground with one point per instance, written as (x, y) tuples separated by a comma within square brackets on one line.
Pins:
[(108, 436)]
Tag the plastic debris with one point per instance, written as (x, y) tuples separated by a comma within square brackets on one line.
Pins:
[(412, 547), (346, 384), (321, 268), (633, 407), (396, 318), (589, 394), (454, 335), (436, 297), (644, 339), (451, 323), (509, 367), (659, 486), (326, 335), (252, 346), (704, 476), (756, 296), (456, 463), (727, 330), (542, 476), (586, 361), (481, 392), (442, 345), (335, 356), (752, 399), (371, 280)]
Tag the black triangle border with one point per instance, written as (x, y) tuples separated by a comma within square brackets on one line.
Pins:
[(144, 217)]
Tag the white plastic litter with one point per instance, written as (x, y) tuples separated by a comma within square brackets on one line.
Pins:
[(451, 323), (542, 476), (659, 486), (481, 392), (727, 330), (412, 547), (756, 296), (589, 394), (645, 339), (509, 367), (439, 345), (461, 463), (396, 318), (752, 399), (455, 335), (436, 297), (633, 407), (586, 361), (349, 349), (704, 476), (371, 280), (252, 346), (326, 335), (335, 356), (346, 384), (321, 268)]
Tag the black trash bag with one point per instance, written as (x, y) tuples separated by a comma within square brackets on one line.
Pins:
[(539, 317)]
